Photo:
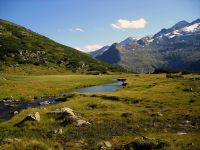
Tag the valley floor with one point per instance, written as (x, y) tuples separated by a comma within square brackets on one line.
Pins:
[(151, 111)]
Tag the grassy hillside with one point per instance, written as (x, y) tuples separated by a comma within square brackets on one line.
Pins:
[(20, 46), (155, 106)]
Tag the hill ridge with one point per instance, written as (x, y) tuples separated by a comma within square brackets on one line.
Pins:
[(19, 45)]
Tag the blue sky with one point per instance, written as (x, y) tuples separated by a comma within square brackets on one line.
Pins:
[(86, 24)]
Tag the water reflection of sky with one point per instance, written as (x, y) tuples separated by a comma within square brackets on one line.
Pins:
[(101, 88)]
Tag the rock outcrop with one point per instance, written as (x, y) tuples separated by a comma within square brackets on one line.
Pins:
[(31, 117), (68, 117), (104, 145)]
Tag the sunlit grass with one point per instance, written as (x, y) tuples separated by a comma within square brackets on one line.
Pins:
[(28, 87), (119, 116)]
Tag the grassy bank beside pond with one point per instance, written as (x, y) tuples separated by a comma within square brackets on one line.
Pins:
[(27, 87), (150, 105)]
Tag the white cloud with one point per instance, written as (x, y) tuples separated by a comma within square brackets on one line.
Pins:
[(89, 48), (129, 24), (92, 47), (76, 30), (79, 30)]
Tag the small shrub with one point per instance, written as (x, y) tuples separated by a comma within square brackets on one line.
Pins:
[(145, 143), (93, 106), (165, 70), (114, 98), (22, 99), (185, 72), (65, 97), (93, 73), (126, 114), (188, 89), (192, 101)]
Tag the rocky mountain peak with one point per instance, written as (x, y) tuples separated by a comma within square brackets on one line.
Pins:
[(170, 48), (196, 21), (128, 41), (180, 24)]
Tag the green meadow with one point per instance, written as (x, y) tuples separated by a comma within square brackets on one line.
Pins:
[(151, 105), (26, 87)]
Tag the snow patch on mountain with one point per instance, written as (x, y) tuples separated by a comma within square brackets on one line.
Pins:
[(150, 40), (192, 28), (173, 34)]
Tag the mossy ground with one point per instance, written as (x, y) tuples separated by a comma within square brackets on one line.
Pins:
[(118, 117)]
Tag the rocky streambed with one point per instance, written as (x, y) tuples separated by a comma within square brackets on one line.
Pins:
[(10, 107)]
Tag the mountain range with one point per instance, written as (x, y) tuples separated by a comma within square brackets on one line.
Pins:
[(176, 48), (20, 47)]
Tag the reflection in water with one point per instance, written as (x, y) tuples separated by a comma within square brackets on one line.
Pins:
[(101, 88)]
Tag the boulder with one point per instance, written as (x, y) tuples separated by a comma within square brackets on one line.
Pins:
[(80, 122), (181, 133), (104, 145), (15, 112), (58, 131), (188, 89), (67, 110), (69, 117), (10, 141), (157, 114), (81, 144), (34, 117), (64, 110), (187, 122), (31, 117), (44, 103)]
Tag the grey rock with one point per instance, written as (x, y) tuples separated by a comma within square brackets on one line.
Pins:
[(80, 122), (104, 145), (10, 141), (156, 114), (64, 110), (44, 103), (188, 89), (31, 117), (70, 117), (181, 133), (15, 112), (35, 116), (58, 131), (187, 122)]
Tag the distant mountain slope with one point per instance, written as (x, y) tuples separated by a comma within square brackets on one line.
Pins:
[(112, 56), (99, 51), (175, 48), (19, 45)]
